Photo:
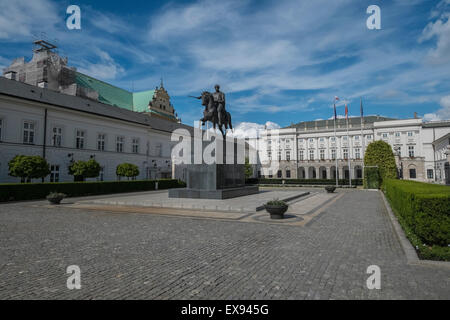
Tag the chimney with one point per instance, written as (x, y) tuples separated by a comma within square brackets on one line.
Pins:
[(11, 75), (42, 84)]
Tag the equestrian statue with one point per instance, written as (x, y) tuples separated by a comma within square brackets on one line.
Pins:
[(215, 112)]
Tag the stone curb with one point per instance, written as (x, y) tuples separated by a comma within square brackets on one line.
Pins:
[(411, 254)]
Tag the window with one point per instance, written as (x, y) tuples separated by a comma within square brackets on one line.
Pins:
[(322, 154), (28, 132), (158, 149), (358, 153), (279, 155), (412, 173), (369, 137), (269, 155), (345, 138), (321, 139), (288, 155), (345, 151), (301, 155), (135, 145), (333, 139), (357, 138), (119, 144), (384, 135), (288, 173), (54, 173), (411, 151), (101, 142), (311, 154), (397, 134), (410, 134), (80, 139), (358, 173), (279, 174), (333, 154), (300, 140), (57, 136), (430, 173), (311, 139), (270, 174)]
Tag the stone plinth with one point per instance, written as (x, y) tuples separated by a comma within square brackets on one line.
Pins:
[(216, 181)]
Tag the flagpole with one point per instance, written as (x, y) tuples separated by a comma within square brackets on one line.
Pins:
[(362, 137), (349, 151), (335, 141)]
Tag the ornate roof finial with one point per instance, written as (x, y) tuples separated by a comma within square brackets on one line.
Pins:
[(162, 86)]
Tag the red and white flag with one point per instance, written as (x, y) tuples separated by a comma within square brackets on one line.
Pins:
[(336, 98), (346, 112)]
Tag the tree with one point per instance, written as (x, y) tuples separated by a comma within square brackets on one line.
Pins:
[(84, 169), (127, 170), (248, 169), (28, 167), (379, 153)]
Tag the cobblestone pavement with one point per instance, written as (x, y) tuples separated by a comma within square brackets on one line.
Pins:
[(148, 256)]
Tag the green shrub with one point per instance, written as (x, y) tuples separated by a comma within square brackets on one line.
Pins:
[(30, 191), (28, 167), (84, 169), (379, 153), (128, 170), (423, 251), (372, 179), (424, 207)]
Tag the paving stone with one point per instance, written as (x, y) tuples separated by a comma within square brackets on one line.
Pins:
[(143, 256)]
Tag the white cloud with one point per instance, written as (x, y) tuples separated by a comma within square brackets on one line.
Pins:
[(21, 18), (443, 113), (441, 30), (105, 69), (252, 130)]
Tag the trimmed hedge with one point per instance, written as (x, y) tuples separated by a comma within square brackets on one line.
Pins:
[(423, 207), (372, 178), (355, 182), (379, 153), (30, 191)]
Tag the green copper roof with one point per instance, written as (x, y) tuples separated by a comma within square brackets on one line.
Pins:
[(115, 96), (141, 100), (107, 93)]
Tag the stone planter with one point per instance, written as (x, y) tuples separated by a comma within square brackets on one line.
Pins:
[(55, 198), (330, 189), (276, 211)]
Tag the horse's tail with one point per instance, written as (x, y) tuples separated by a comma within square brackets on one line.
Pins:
[(229, 120)]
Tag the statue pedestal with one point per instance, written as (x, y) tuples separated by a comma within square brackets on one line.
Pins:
[(215, 181)]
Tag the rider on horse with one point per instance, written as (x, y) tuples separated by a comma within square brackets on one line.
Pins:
[(219, 99)]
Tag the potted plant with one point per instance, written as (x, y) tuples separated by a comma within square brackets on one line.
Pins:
[(55, 197), (330, 189), (276, 208)]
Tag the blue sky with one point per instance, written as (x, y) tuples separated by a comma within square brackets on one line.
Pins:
[(281, 61)]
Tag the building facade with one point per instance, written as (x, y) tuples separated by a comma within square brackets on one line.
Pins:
[(311, 149), (64, 128)]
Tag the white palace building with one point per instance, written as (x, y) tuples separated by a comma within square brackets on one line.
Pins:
[(49, 109), (308, 150)]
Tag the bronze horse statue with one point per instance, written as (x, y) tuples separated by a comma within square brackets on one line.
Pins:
[(210, 113)]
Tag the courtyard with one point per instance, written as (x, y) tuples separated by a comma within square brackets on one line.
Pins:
[(322, 251)]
